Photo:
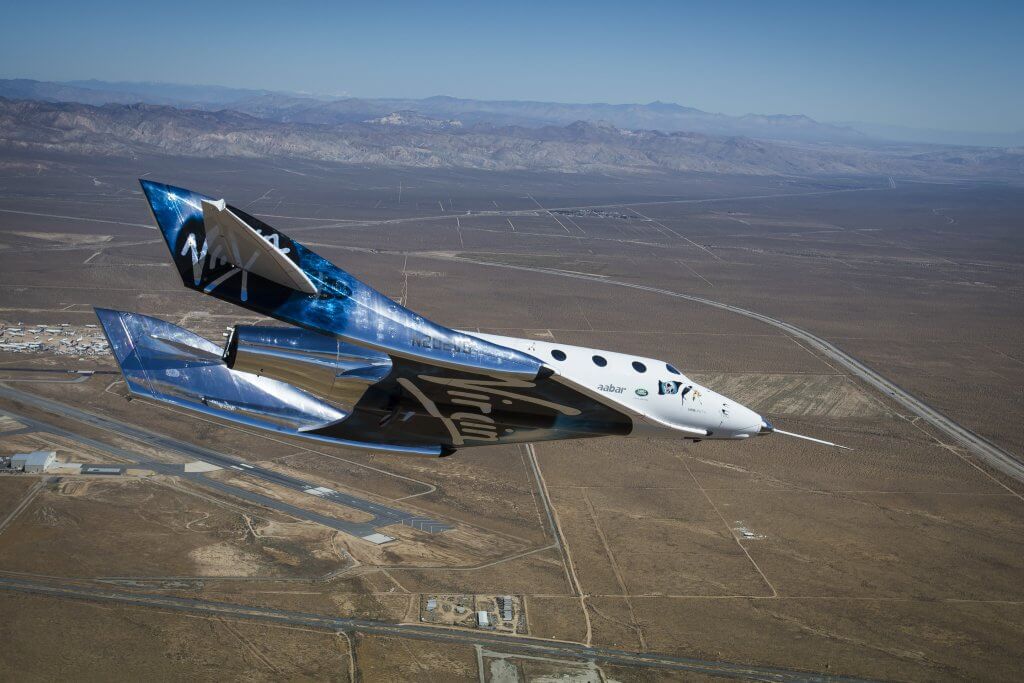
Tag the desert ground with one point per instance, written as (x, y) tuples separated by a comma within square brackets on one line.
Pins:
[(630, 559)]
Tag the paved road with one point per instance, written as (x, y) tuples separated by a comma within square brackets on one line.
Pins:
[(382, 514), (506, 643), (987, 451), (62, 371), (350, 223)]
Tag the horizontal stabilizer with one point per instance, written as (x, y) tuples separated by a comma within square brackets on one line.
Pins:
[(174, 366)]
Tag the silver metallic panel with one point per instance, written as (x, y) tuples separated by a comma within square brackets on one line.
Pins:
[(172, 365), (165, 361), (314, 362)]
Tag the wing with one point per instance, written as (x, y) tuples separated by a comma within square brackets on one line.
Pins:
[(308, 385), (420, 403), (171, 365), (444, 388)]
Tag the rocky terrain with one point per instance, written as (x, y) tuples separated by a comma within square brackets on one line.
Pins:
[(405, 139)]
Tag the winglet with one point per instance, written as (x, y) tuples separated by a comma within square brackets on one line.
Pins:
[(230, 238)]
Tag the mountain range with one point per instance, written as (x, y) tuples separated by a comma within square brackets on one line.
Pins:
[(409, 138), (304, 108)]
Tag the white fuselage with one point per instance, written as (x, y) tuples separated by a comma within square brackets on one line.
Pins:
[(661, 400)]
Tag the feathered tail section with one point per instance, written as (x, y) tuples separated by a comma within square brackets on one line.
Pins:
[(222, 251)]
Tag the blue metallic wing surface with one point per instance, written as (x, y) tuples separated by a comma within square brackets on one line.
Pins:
[(172, 365), (341, 305), (398, 401)]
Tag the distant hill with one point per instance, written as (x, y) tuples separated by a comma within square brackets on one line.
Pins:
[(26, 89), (401, 139), (940, 137), (299, 108), (654, 116), (107, 92)]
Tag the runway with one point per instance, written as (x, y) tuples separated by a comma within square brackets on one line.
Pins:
[(382, 515)]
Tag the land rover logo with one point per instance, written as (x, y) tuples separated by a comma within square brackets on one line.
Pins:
[(641, 392)]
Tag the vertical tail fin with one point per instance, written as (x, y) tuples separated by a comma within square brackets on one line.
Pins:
[(222, 251)]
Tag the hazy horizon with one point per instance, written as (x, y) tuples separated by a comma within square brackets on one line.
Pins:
[(873, 129), (918, 65)]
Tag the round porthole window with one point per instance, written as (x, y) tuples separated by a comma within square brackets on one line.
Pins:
[(639, 367), (600, 361), (558, 354)]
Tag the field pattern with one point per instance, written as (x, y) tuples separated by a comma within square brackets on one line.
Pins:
[(628, 559)]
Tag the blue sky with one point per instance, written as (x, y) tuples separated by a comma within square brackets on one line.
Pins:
[(956, 66)]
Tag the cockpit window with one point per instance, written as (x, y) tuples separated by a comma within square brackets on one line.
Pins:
[(672, 369), (600, 361), (639, 367), (558, 354)]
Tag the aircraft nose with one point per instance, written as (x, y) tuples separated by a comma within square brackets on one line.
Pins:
[(743, 421), (766, 427)]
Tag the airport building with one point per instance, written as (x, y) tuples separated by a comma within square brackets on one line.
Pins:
[(505, 605), (36, 461)]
